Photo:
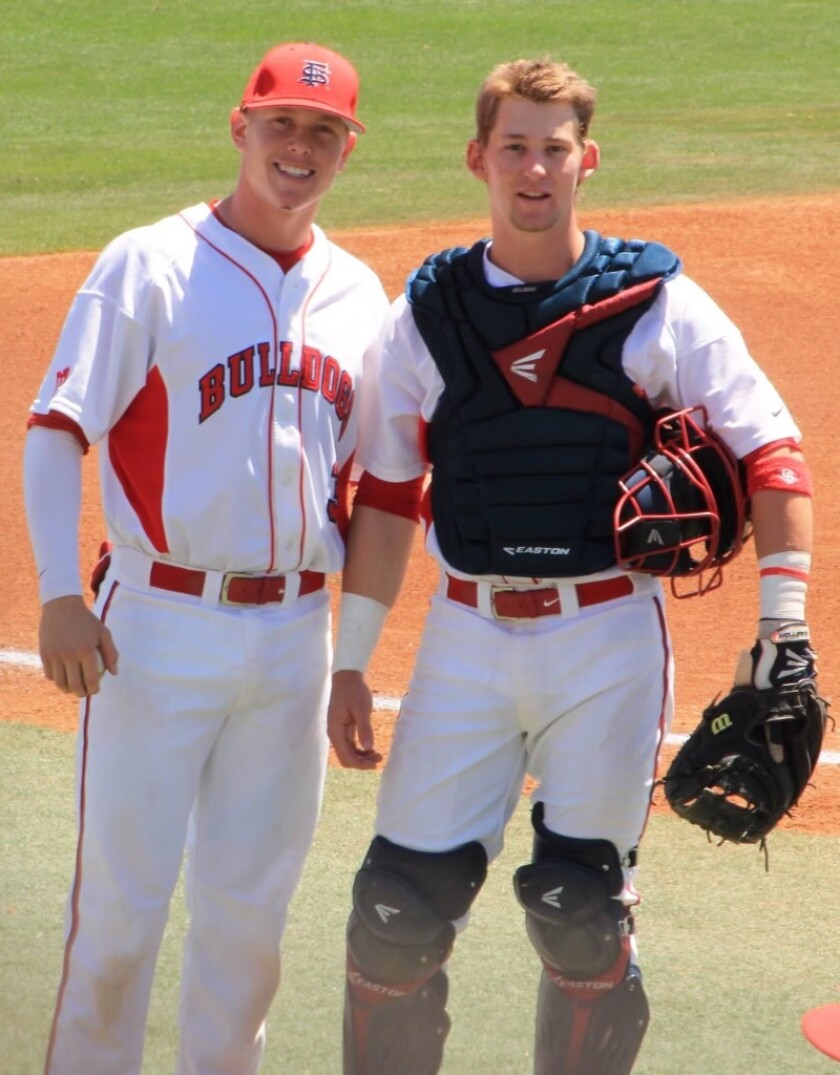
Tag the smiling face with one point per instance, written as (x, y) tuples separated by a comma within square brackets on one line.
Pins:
[(289, 160), (533, 162)]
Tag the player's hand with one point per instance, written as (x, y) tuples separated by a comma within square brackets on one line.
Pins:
[(782, 656), (76, 647), (348, 721)]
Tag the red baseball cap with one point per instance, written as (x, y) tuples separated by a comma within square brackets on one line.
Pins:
[(303, 75)]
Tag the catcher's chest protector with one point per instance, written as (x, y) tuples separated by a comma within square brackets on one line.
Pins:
[(538, 420)]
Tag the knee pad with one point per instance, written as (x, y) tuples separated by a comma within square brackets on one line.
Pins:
[(404, 905), (574, 922)]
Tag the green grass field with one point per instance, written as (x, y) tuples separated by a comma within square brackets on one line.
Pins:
[(732, 955), (112, 115), (115, 114)]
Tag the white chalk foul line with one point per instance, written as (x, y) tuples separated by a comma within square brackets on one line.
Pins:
[(382, 702), (21, 660), (391, 705)]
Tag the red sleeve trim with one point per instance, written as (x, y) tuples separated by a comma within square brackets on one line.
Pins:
[(55, 420), (787, 473), (395, 498), (770, 449)]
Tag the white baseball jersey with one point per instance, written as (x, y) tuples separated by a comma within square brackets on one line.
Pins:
[(682, 352), (223, 390)]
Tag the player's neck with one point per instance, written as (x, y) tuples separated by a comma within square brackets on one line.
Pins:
[(536, 256), (268, 229)]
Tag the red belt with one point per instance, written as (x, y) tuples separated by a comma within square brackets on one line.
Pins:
[(237, 589), (511, 604)]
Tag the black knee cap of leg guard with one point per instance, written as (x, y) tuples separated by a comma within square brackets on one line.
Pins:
[(573, 921), (447, 882), (601, 856), (404, 904)]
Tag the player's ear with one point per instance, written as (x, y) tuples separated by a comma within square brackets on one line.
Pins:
[(589, 161), (348, 148), (475, 159), (238, 122)]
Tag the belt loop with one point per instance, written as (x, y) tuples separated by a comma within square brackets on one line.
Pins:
[(212, 592), (292, 590), (131, 566), (569, 600), (484, 599)]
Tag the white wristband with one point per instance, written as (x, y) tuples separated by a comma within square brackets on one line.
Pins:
[(783, 585), (360, 621)]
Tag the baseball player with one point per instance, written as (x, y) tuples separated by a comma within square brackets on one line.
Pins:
[(528, 376), (215, 357)]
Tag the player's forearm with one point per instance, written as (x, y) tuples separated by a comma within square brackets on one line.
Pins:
[(378, 549), (379, 545), (780, 487), (783, 525), (782, 522), (52, 479)]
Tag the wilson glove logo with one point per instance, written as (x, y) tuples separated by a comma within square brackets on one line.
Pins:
[(721, 723)]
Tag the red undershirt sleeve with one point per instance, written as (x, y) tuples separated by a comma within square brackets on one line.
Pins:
[(395, 498)]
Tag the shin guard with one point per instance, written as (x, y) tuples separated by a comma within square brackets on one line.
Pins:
[(399, 936), (586, 1033), (592, 1012), (388, 1034)]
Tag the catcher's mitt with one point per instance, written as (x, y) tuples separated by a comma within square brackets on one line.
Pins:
[(748, 761)]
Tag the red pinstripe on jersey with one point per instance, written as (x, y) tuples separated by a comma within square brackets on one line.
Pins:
[(301, 467), (274, 346)]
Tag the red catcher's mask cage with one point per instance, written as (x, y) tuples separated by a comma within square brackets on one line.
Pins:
[(682, 509)]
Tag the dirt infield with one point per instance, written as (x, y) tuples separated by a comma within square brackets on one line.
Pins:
[(761, 260)]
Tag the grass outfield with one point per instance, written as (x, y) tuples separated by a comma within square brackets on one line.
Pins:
[(115, 114), (732, 955)]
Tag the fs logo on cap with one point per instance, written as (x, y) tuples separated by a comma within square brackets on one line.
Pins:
[(315, 73)]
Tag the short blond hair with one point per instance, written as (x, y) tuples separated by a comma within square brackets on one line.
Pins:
[(533, 80)]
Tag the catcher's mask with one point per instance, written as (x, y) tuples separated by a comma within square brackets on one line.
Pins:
[(682, 509)]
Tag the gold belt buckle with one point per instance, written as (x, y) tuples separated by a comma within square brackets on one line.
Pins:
[(496, 614), (230, 576)]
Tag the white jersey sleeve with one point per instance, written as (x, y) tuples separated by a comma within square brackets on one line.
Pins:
[(400, 395), (105, 349), (685, 352)]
